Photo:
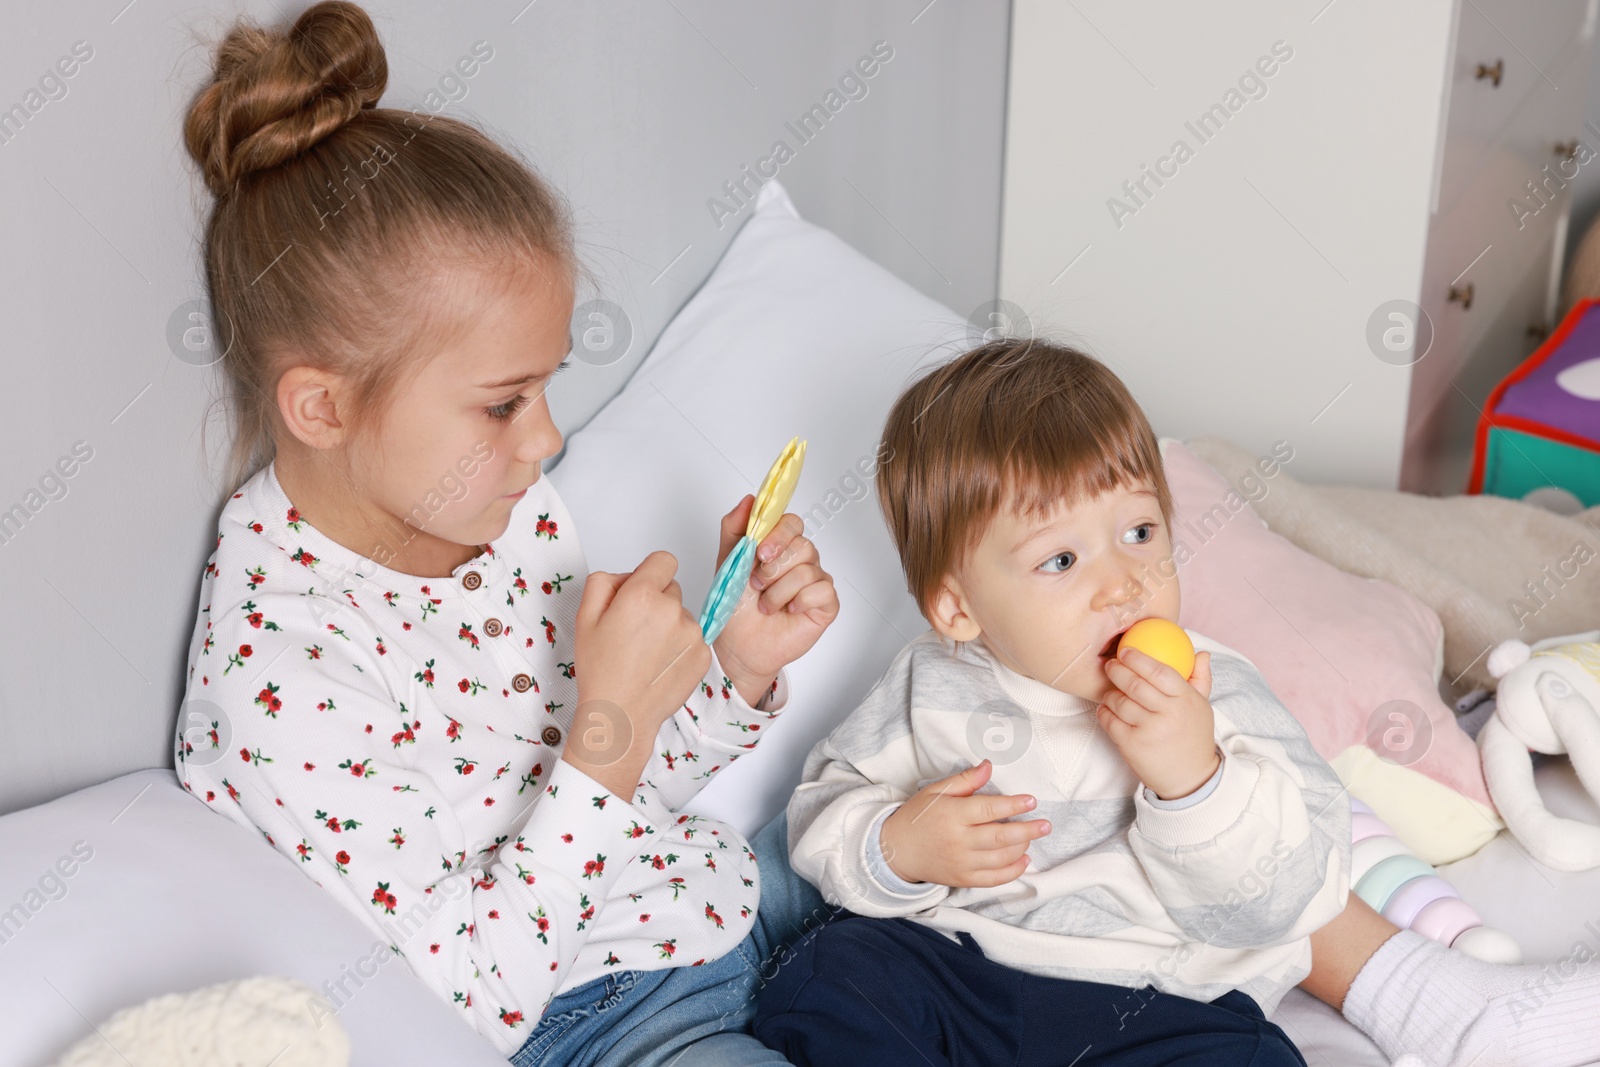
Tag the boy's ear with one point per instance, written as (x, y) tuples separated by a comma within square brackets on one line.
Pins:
[(948, 612)]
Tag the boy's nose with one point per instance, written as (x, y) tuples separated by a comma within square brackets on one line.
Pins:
[(1120, 586)]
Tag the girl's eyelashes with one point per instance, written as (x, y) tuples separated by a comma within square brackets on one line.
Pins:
[(501, 412)]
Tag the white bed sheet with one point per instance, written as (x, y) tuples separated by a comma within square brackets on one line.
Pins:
[(135, 921)]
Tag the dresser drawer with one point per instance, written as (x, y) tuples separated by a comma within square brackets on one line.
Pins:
[(1524, 42), (1443, 412), (1480, 247)]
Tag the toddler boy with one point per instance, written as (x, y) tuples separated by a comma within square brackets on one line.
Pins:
[(1051, 851)]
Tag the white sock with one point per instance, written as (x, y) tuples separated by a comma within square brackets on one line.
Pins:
[(1417, 996)]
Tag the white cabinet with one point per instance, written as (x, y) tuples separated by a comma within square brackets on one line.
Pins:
[(1231, 203)]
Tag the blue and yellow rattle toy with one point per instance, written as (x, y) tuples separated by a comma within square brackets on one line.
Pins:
[(734, 574)]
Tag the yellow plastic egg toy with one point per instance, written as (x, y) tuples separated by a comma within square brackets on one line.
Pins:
[(1162, 640)]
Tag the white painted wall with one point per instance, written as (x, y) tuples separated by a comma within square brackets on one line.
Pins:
[(1235, 299), (639, 112)]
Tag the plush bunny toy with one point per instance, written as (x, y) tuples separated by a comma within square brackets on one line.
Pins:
[(1548, 701)]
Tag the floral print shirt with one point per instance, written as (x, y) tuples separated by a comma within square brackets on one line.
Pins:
[(399, 739)]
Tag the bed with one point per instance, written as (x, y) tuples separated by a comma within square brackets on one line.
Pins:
[(793, 333)]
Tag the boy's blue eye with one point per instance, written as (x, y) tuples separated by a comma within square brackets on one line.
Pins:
[(1150, 532), (1066, 559)]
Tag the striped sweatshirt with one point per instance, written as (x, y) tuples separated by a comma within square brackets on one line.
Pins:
[(1195, 897)]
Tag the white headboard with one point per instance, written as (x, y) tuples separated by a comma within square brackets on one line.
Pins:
[(639, 113)]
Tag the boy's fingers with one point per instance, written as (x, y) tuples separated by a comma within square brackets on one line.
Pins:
[(990, 807), (989, 859), (1201, 679), (989, 878), (962, 783), (1130, 709), (996, 837), (1117, 715), (1146, 668), (1130, 683)]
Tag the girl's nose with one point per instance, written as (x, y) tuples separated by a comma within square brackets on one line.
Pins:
[(540, 438)]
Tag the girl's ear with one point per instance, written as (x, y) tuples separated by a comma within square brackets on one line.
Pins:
[(308, 402), (948, 612)]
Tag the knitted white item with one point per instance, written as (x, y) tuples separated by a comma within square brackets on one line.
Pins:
[(251, 1022), (1415, 997), (1548, 701), (1507, 656)]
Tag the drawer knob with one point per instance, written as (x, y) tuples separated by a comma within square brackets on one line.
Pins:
[(1538, 331), (1567, 149), (1494, 72), (1462, 296)]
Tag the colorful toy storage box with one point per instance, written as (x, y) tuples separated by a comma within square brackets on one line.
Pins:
[(1541, 425)]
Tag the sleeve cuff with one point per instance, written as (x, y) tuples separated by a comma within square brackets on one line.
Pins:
[(734, 713), (575, 827), (878, 866), (1196, 797), (1205, 820)]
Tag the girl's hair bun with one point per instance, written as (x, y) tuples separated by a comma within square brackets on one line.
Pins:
[(274, 94)]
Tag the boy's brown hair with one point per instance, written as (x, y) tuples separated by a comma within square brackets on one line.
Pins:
[(1021, 424)]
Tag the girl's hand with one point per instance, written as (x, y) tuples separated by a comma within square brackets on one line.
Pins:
[(1160, 722), (785, 607), (638, 655)]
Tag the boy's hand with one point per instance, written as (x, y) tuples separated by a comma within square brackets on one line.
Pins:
[(1160, 722), (946, 835), (794, 602)]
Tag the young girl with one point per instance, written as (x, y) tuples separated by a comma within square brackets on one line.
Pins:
[(415, 689)]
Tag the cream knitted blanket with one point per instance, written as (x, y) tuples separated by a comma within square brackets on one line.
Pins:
[(1492, 568)]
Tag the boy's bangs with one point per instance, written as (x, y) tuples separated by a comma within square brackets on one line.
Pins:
[(1046, 467)]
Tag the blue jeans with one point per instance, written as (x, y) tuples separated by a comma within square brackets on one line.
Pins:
[(688, 1016)]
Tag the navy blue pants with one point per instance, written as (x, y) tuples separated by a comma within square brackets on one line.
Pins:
[(888, 992)]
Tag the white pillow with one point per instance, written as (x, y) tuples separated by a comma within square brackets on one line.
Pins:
[(794, 333), (133, 888)]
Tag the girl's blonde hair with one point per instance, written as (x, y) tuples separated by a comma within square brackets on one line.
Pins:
[(330, 211), (1020, 424)]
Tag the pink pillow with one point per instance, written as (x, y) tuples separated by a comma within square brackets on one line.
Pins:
[(1353, 659)]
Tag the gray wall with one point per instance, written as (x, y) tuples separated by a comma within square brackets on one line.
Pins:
[(639, 112)]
